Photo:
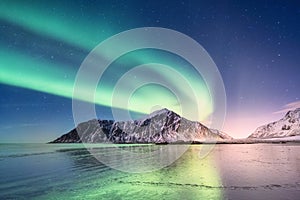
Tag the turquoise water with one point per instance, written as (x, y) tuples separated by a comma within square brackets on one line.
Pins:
[(70, 171)]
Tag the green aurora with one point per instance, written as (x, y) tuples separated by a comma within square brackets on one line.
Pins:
[(24, 70)]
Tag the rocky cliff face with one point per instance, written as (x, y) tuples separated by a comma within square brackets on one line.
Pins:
[(289, 125), (163, 126)]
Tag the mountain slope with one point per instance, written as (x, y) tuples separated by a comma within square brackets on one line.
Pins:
[(288, 126), (162, 126)]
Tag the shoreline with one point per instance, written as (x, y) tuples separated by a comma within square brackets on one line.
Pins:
[(234, 141)]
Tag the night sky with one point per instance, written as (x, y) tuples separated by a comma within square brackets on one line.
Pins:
[(255, 45)]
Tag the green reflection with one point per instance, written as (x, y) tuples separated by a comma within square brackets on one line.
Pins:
[(187, 178)]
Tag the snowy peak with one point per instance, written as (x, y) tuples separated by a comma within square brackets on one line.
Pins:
[(162, 112), (288, 126), (162, 126), (295, 114)]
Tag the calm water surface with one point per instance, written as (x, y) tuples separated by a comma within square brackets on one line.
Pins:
[(69, 171)]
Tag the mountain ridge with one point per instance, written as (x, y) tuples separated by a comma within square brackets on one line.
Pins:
[(287, 126), (161, 126)]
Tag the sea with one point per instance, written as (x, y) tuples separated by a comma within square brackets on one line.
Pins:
[(107, 171)]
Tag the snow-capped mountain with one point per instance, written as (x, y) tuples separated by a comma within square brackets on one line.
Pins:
[(288, 126), (162, 126)]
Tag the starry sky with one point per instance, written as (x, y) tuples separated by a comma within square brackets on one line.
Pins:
[(254, 44)]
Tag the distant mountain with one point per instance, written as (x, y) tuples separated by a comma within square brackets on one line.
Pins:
[(162, 126), (288, 126)]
